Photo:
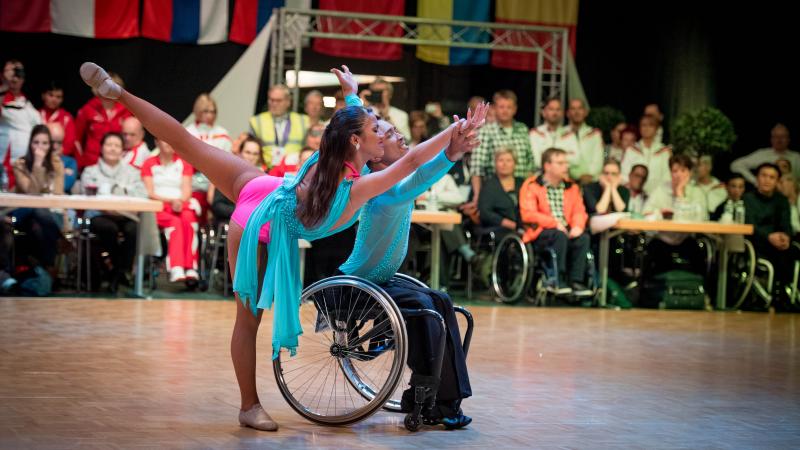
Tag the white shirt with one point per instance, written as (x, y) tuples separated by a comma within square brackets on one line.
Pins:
[(17, 119), (448, 195), (715, 193), (399, 119), (543, 138), (137, 155), (655, 158), (585, 151), (746, 164), (218, 136), (168, 179)]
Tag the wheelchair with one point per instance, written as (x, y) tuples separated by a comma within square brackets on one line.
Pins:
[(517, 272), (751, 277), (351, 358)]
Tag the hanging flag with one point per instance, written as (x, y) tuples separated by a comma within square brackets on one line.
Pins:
[(249, 17), (110, 19), (560, 13), (469, 10), (186, 21), (360, 49)]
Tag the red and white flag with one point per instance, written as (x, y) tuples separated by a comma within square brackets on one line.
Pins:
[(100, 19)]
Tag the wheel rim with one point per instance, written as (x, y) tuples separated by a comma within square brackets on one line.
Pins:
[(741, 272), (351, 355), (510, 268)]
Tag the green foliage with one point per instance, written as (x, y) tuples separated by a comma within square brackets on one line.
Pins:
[(605, 118), (704, 132)]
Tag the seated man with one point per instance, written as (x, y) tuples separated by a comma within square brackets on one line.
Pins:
[(635, 185), (768, 211), (682, 200), (726, 211), (552, 209), (380, 249)]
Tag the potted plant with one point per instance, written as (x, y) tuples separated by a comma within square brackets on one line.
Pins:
[(605, 118), (704, 132)]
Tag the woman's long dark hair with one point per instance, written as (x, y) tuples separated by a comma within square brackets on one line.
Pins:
[(28, 158), (334, 150)]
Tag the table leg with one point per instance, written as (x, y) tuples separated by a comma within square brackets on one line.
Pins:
[(722, 277), (604, 244), (139, 277), (436, 241)]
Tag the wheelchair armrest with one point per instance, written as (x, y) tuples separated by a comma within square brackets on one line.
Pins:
[(470, 325)]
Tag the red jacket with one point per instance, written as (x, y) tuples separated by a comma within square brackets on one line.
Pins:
[(535, 209), (92, 124), (67, 122)]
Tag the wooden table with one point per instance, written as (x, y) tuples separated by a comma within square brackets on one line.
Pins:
[(438, 221), (83, 202), (708, 228)]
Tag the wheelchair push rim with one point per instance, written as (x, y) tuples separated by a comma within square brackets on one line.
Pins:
[(351, 355), (511, 269)]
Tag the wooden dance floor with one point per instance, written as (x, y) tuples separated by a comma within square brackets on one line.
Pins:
[(89, 373)]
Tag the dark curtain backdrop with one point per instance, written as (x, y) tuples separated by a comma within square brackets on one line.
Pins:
[(681, 55)]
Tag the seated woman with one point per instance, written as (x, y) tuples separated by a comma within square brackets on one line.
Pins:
[(206, 129), (498, 203), (113, 176), (607, 194), (168, 179), (40, 171)]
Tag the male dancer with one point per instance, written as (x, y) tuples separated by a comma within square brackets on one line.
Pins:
[(377, 259)]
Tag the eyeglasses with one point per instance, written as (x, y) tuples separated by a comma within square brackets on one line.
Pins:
[(209, 111), (315, 133), (610, 174)]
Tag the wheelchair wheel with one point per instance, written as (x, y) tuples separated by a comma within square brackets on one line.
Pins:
[(511, 268), (351, 354), (741, 273)]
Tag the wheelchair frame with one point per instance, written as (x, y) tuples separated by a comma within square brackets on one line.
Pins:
[(348, 348)]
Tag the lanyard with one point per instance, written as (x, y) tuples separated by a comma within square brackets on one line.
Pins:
[(286, 129)]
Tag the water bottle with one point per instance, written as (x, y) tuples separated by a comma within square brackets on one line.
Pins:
[(730, 208), (3, 180), (738, 212), (433, 203)]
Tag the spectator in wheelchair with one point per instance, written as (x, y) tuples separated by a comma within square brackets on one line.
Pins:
[(553, 212), (769, 213), (635, 185), (499, 204), (734, 186), (681, 200), (380, 248)]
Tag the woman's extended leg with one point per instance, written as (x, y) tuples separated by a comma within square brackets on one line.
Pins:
[(226, 171), (243, 349)]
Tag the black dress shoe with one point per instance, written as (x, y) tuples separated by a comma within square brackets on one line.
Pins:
[(455, 422)]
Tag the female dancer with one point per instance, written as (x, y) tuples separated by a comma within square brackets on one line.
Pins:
[(322, 199)]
